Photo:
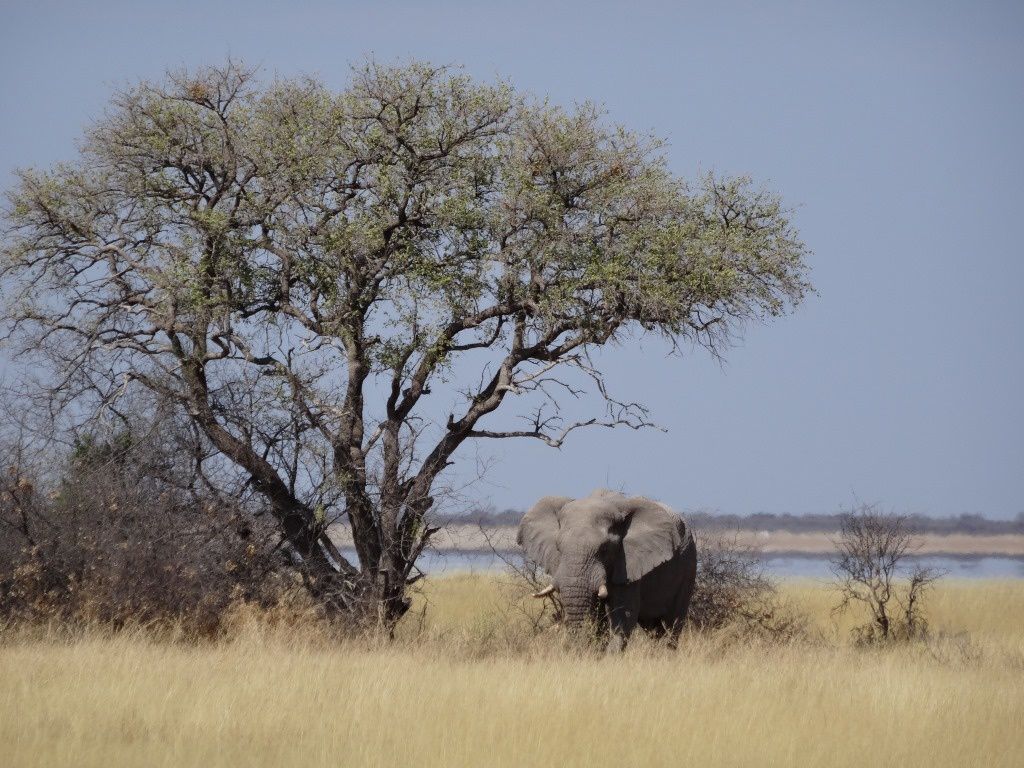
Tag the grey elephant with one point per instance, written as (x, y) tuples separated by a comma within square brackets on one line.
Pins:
[(619, 560)]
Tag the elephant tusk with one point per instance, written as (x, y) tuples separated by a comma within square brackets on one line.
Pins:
[(546, 591), (602, 592)]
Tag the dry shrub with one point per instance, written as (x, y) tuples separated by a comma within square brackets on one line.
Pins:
[(734, 593), (873, 570), (114, 545)]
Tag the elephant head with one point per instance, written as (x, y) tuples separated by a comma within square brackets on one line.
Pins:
[(594, 545)]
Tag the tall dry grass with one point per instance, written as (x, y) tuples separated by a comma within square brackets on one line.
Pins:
[(466, 683)]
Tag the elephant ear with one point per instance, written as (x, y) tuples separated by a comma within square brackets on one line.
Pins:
[(652, 534), (538, 531)]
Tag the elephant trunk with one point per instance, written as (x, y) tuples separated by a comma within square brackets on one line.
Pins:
[(580, 601), (579, 609)]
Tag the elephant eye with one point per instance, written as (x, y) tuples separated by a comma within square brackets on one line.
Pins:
[(618, 529)]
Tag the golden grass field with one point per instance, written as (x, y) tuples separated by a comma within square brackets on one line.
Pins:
[(466, 684)]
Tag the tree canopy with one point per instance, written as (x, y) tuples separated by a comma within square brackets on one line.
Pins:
[(296, 267)]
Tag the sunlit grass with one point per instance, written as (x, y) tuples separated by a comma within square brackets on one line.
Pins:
[(467, 684), (987, 610)]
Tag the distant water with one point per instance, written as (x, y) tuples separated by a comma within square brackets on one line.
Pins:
[(961, 567), (782, 566)]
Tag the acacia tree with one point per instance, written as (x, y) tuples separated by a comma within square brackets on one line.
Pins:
[(322, 261)]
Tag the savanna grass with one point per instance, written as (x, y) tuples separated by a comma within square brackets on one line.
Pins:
[(469, 682)]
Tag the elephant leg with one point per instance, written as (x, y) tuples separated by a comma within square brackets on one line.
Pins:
[(622, 618), (616, 644), (673, 631), (681, 605), (674, 624), (664, 630)]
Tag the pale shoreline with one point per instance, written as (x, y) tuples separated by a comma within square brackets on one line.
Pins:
[(473, 538)]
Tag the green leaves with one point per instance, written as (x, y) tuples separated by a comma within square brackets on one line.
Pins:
[(411, 200)]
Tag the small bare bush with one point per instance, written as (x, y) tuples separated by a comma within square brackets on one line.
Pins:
[(733, 591), (873, 570), (525, 579)]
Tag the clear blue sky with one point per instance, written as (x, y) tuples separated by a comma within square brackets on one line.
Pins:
[(897, 128)]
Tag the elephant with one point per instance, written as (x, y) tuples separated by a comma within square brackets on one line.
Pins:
[(617, 560)]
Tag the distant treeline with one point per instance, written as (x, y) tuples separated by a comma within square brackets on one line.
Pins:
[(766, 521)]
